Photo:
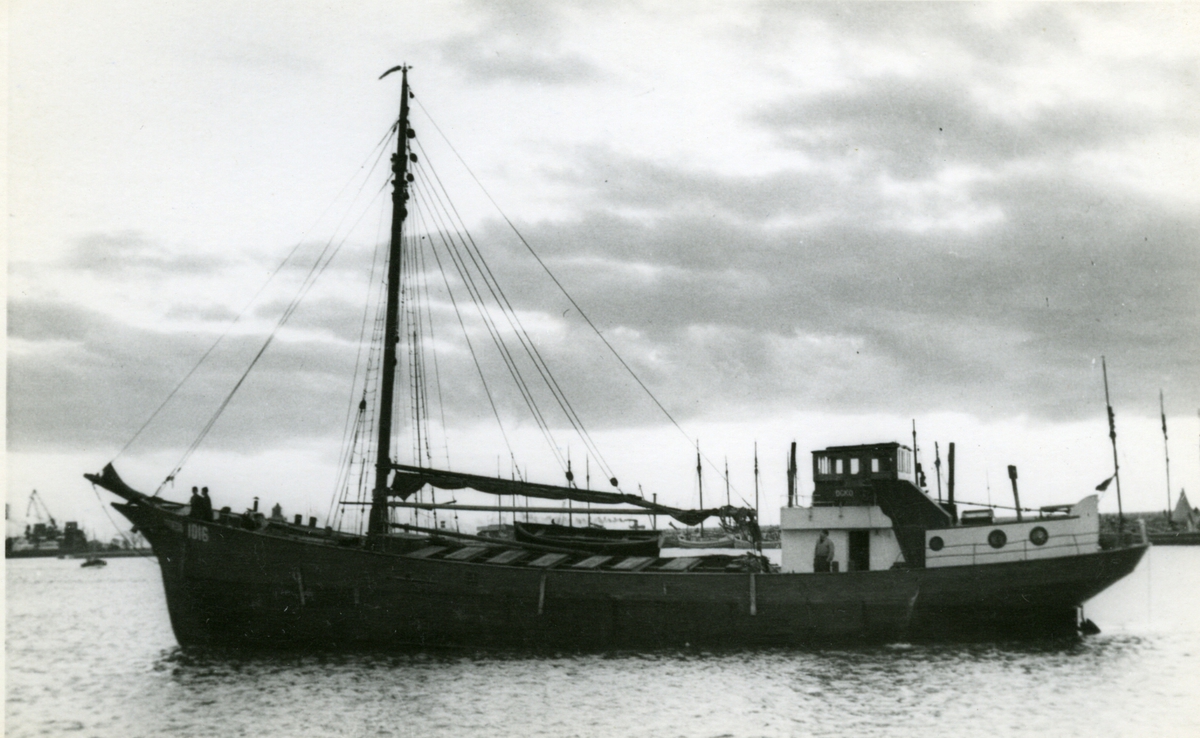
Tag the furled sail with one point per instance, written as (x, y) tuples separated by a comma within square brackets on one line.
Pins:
[(408, 479)]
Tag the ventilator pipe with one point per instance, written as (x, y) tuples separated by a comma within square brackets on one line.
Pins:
[(1012, 474), (950, 483)]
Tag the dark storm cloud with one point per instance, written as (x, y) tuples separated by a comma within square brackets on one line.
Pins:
[(934, 249), (78, 378), (999, 317), (85, 377), (718, 312)]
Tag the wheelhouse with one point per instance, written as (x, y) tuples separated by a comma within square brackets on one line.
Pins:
[(869, 501), (843, 475)]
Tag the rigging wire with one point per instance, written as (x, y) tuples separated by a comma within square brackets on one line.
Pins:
[(470, 346), (317, 269), (414, 327), (514, 320), (424, 318), (347, 460), (437, 377), (381, 146), (362, 451), (422, 284), (560, 286), (497, 339), (104, 508)]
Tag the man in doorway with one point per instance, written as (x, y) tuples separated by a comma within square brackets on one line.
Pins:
[(823, 553)]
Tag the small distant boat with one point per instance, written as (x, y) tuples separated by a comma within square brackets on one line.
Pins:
[(93, 561), (1175, 538), (1183, 521)]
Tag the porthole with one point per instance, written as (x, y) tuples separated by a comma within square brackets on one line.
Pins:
[(997, 539), (1038, 536), (936, 543)]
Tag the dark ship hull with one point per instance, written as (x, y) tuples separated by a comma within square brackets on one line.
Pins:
[(231, 587)]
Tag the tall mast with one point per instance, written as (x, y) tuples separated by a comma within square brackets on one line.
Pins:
[(756, 480), (378, 522), (1162, 410), (1112, 434), (726, 481), (700, 482), (916, 459)]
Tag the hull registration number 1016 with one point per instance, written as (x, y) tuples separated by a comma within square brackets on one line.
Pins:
[(197, 532)]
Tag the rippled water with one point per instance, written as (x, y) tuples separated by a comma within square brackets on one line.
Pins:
[(90, 653)]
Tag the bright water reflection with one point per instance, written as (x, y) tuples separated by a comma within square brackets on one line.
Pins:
[(91, 653)]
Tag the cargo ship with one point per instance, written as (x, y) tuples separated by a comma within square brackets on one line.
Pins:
[(44, 538), (898, 565)]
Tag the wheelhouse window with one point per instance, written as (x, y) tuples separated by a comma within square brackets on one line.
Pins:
[(854, 466), (874, 466), (903, 460), (837, 466), (822, 465)]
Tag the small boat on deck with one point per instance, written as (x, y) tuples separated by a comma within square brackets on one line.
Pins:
[(93, 561), (597, 540), (722, 542)]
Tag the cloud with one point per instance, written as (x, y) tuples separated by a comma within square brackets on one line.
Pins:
[(81, 379), (127, 251), (37, 320), (998, 319), (518, 41), (485, 62), (946, 221), (728, 295), (912, 128)]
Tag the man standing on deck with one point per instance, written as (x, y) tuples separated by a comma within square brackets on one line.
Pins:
[(207, 503), (196, 504), (823, 553)]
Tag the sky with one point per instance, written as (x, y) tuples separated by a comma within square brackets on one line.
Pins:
[(813, 222)]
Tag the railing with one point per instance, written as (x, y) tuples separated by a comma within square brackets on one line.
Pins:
[(984, 551)]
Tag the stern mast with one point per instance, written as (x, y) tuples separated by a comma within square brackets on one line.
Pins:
[(378, 522)]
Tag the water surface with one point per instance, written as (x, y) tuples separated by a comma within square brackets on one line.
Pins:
[(90, 653)]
